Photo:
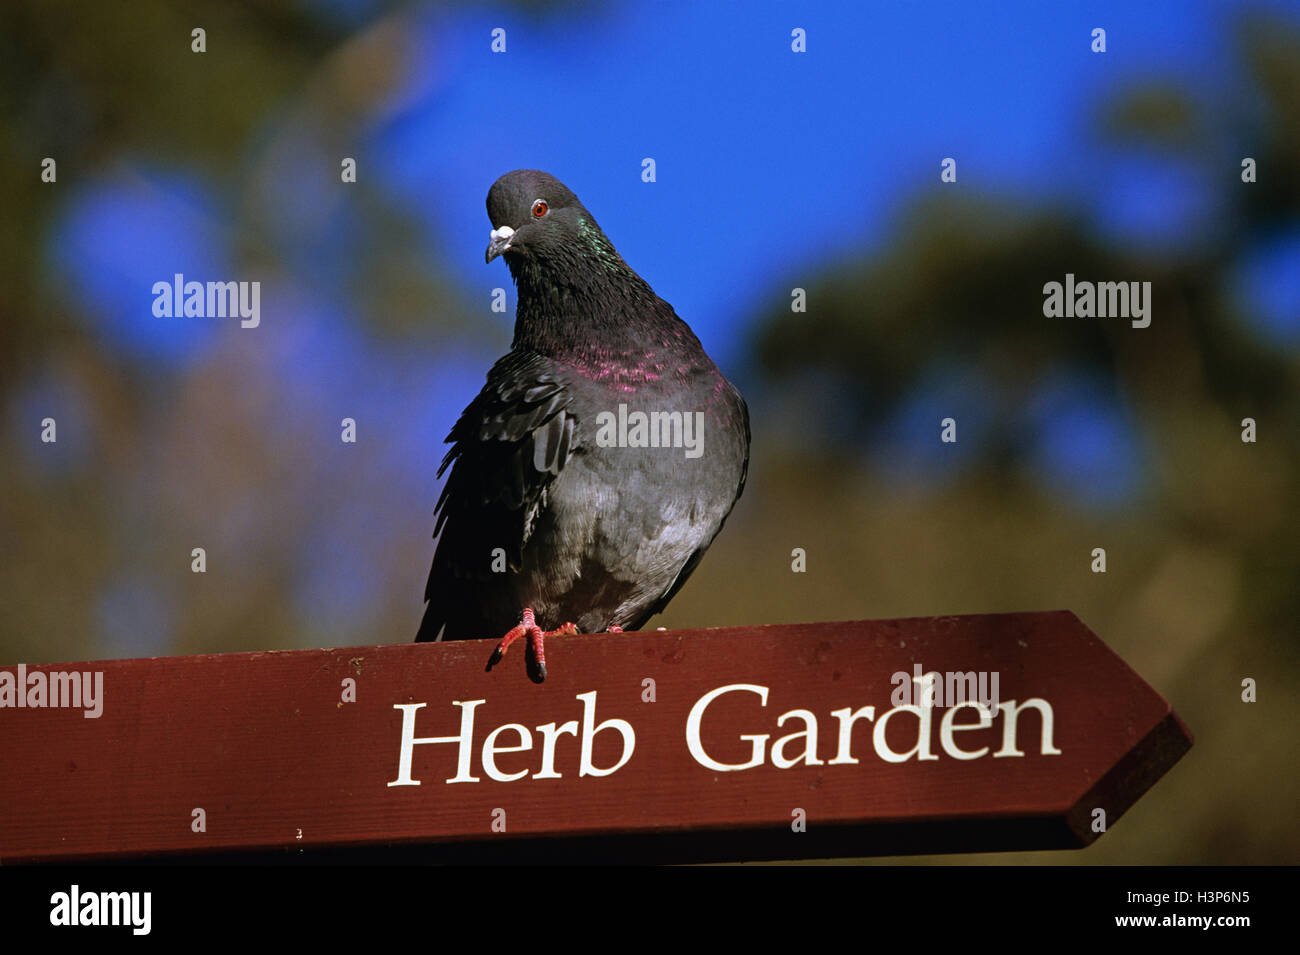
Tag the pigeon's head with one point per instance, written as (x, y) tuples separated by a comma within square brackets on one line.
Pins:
[(535, 216)]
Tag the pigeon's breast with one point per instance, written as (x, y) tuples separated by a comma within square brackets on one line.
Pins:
[(658, 466)]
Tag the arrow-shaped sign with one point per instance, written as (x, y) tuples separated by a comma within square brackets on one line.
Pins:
[(942, 734)]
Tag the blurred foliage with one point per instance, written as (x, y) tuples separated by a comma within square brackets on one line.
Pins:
[(87, 82), (1203, 585)]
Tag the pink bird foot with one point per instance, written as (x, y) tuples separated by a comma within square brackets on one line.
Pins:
[(536, 637)]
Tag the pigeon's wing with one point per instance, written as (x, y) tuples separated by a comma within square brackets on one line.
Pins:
[(507, 447), (694, 560)]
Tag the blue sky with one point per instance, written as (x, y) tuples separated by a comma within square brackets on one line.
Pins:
[(769, 163), (771, 166)]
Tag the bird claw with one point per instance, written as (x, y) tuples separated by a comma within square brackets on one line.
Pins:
[(536, 637)]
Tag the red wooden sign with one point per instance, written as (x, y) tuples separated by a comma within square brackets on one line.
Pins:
[(1004, 731)]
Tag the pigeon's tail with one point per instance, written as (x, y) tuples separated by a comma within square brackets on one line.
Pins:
[(431, 624)]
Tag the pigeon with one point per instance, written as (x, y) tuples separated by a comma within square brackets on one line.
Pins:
[(602, 456)]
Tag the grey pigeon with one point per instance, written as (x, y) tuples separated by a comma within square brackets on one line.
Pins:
[(601, 458)]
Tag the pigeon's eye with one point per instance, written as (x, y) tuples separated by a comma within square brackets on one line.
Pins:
[(539, 208)]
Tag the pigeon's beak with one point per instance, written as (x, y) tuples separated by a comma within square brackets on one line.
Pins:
[(500, 242)]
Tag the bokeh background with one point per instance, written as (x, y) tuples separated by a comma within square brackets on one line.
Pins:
[(775, 170)]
